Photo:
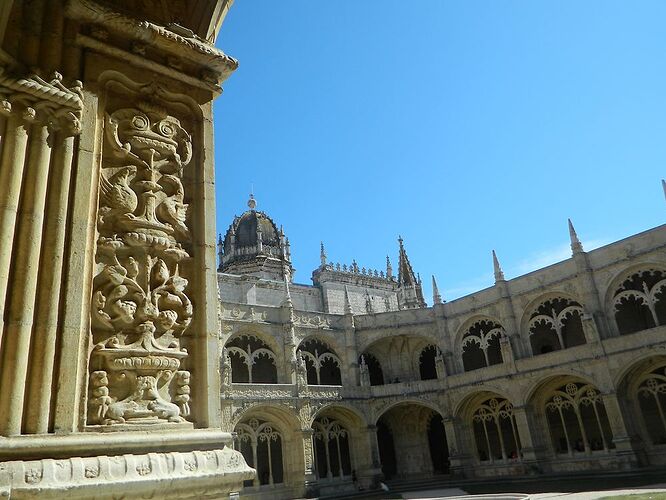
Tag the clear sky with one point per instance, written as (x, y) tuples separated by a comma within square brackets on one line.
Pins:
[(461, 125)]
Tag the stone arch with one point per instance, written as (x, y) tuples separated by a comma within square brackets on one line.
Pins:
[(490, 427), (485, 343), (399, 356), (285, 448), (337, 444), (642, 393), (378, 336), (416, 429), (632, 307), (254, 357), (553, 321), (323, 364), (572, 413)]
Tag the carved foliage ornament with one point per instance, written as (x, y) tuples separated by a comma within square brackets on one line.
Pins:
[(140, 308)]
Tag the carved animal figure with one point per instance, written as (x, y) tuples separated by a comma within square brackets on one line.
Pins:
[(118, 198)]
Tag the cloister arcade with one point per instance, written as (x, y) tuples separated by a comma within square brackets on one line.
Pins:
[(515, 416)]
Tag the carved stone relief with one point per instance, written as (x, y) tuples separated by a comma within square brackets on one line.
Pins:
[(140, 308)]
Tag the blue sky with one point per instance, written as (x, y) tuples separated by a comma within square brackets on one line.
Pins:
[(461, 125)]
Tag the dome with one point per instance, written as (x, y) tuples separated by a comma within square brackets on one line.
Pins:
[(244, 230), (254, 246)]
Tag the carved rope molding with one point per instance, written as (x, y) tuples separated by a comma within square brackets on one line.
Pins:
[(140, 308), (190, 47), (62, 106)]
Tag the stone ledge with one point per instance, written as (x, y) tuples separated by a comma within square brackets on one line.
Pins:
[(58, 445), (196, 474)]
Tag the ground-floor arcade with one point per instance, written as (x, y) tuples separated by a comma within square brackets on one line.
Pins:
[(562, 421)]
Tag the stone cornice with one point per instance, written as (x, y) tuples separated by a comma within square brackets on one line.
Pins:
[(167, 41)]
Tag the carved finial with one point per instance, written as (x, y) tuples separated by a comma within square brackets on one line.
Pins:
[(219, 240), (348, 307), (663, 185), (322, 254), (576, 245), (499, 274), (436, 297), (389, 268), (252, 203)]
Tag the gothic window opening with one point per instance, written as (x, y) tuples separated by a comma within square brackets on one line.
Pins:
[(481, 345), (652, 402), (439, 449), (252, 361), (556, 324), (261, 446), (495, 431), (427, 365), (331, 444), (640, 302), (323, 365), (577, 420), (375, 372)]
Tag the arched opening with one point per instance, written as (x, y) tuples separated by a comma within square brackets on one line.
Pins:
[(331, 447), (417, 449), (651, 396), (375, 372), (427, 365), (556, 324), (481, 345), (261, 445), (640, 301), (323, 364), (252, 361), (495, 430), (576, 418)]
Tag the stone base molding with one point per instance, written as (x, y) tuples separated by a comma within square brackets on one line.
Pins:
[(196, 474)]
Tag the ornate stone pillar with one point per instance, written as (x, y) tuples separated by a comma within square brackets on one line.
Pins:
[(109, 341)]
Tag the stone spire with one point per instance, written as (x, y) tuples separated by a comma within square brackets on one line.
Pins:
[(348, 307), (220, 249), (663, 185), (409, 287), (322, 254), (499, 274), (436, 297), (576, 245), (389, 268)]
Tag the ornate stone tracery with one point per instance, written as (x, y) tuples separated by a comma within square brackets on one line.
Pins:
[(640, 301), (484, 336), (556, 324)]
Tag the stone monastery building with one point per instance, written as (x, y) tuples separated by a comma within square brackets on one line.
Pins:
[(334, 384), (127, 363)]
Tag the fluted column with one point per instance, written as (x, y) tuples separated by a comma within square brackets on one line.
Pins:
[(24, 272)]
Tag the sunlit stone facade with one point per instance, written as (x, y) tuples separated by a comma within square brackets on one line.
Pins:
[(334, 385)]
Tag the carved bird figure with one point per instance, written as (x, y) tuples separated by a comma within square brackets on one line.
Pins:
[(172, 210), (117, 194)]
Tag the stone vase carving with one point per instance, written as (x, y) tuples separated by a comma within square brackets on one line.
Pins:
[(140, 308)]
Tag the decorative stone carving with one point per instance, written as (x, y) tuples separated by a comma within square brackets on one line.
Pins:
[(140, 308)]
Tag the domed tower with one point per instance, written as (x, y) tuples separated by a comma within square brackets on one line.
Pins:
[(253, 246)]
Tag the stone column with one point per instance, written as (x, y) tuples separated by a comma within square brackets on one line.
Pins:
[(456, 445), (368, 464), (309, 475), (525, 435), (629, 448)]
